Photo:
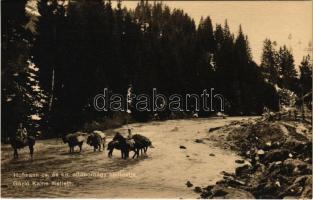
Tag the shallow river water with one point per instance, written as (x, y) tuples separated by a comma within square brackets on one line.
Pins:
[(163, 172)]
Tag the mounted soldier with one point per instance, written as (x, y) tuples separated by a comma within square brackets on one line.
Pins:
[(130, 135), (21, 140), (21, 132)]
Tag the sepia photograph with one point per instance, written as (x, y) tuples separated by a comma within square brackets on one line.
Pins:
[(166, 99)]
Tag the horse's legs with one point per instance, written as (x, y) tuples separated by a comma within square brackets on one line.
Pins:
[(124, 153), (31, 151), (136, 152), (127, 153), (70, 148), (146, 149), (80, 147), (110, 153), (103, 146), (94, 148), (15, 153)]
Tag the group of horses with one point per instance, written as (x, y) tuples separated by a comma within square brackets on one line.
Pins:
[(97, 139), (137, 143)]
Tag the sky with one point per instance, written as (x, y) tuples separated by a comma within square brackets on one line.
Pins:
[(286, 22)]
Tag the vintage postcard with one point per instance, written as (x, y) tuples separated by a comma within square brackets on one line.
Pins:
[(156, 99)]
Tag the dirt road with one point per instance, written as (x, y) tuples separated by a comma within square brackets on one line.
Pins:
[(162, 173)]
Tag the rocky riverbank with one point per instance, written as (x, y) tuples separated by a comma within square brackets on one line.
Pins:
[(277, 160)]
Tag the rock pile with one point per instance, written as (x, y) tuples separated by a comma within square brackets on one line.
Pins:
[(280, 163)]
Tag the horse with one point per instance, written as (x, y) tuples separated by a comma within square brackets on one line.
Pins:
[(74, 139), (143, 142), (111, 146), (132, 146), (18, 143), (97, 139), (125, 145)]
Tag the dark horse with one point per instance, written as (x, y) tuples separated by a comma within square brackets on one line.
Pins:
[(97, 140), (113, 145), (125, 145), (18, 143), (142, 142), (74, 139)]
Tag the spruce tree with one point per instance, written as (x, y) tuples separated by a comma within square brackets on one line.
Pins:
[(287, 71), (306, 75), (22, 98), (269, 62)]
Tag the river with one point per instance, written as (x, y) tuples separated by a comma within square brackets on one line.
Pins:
[(163, 172)]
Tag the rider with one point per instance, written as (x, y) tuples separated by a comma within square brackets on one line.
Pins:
[(130, 136), (21, 132)]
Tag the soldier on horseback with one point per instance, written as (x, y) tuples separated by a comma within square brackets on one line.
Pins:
[(22, 139), (130, 135), (21, 132)]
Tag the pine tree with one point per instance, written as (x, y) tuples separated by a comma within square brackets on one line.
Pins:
[(86, 46), (206, 34), (269, 62), (246, 72), (306, 75), (287, 71), (22, 98), (48, 54)]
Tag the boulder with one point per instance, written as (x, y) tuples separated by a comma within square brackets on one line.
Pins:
[(243, 170), (230, 193), (231, 181), (276, 155), (267, 189), (199, 141), (239, 161), (296, 166), (207, 191), (197, 189), (214, 128), (189, 184), (301, 188)]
